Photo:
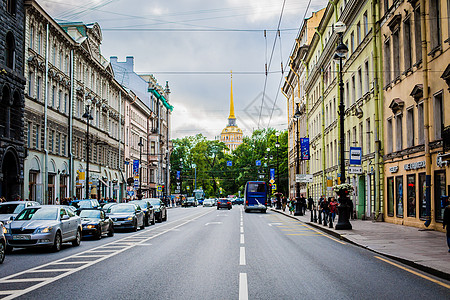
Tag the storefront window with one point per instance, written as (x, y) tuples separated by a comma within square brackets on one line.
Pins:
[(390, 196), (51, 189), (399, 195), (422, 198), (411, 192), (439, 190)]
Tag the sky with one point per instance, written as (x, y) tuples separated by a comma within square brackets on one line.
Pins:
[(194, 45)]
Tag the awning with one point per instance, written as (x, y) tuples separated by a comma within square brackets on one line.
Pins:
[(101, 180)]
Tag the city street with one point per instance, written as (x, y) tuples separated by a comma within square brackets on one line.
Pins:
[(205, 253)]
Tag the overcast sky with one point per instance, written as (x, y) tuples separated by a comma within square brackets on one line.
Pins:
[(194, 44)]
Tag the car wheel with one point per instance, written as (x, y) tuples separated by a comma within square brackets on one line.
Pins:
[(76, 242), (165, 217), (246, 210), (2, 252), (147, 221), (160, 218), (153, 220), (111, 231), (8, 249), (217, 208), (99, 233), (143, 225), (57, 243)]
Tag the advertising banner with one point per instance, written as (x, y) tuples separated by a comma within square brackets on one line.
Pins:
[(178, 175), (304, 147), (272, 173), (136, 167)]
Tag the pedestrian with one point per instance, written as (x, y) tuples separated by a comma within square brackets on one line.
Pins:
[(303, 203), (284, 203), (325, 209), (310, 203), (291, 206), (446, 223), (57, 201), (333, 207)]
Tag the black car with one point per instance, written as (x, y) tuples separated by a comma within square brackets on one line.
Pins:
[(2, 243), (127, 216), (94, 222), (86, 203), (238, 201), (160, 209), (106, 206), (147, 208), (223, 203)]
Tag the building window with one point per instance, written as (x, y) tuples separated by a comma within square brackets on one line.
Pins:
[(360, 84), (387, 62), (439, 190), (53, 96), (52, 141), (38, 88), (411, 194), (386, 6), (399, 195), (435, 23), (152, 148), (353, 89), (410, 127), (352, 42), (366, 23), (58, 143), (66, 99), (38, 129), (396, 56), (422, 198), (369, 132), (32, 37), (29, 133), (60, 107), (438, 115), (417, 35), (358, 33), (390, 196), (30, 83), (407, 44), (399, 132), (63, 142), (420, 124), (367, 75), (11, 6), (361, 136), (10, 50)]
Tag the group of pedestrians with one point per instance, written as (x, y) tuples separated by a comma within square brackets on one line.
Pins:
[(328, 208)]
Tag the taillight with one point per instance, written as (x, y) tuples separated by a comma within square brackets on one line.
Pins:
[(228, 202), (246, 202)]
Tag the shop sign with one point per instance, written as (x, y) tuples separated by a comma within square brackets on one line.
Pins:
[(393, 169), (440, 162), (415, 165)]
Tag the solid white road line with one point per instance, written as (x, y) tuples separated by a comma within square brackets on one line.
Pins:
[(243, 288), (242, 257), (242, 239)]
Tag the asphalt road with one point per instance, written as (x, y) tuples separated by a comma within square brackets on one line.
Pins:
[(204, 253)]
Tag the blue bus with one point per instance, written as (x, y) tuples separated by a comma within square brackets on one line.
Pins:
[(255, 196)]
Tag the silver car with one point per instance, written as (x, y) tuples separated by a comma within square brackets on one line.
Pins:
[(12, 208), (43, 226), (2, 243)]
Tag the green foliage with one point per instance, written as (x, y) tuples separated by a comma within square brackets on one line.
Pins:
[(211, 162)]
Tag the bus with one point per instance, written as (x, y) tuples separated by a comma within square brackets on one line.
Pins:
[(255, 196), (199, 195)]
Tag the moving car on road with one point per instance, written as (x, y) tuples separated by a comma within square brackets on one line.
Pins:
[(147, 208), (127, 216), (255, 196), (12, 208), (2, 243), (44, 226), (160, 209), (189, 201), (94, 222), (224, 203), (87, 203), (209, 202)]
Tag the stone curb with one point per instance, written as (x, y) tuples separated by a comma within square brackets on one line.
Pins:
[(426, 269)]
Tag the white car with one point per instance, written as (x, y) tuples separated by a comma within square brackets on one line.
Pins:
[(209, 202)]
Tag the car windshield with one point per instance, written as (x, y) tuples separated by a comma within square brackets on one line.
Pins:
[(142, 204), (155, 202), (38, 213), (257, 187), (106, 206), (85, 204), (14, 208), (122, 209), (90, 214)]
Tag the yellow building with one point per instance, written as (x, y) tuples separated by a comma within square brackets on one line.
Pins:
[(232, 134)]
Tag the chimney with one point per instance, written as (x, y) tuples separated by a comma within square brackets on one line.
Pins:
[(130, 63)]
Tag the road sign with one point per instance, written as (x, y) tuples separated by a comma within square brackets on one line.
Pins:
[(229, 163), (159, 188), (354, 170), (136, 182), (355, 155), (303, 178), (130, 193), (177, 191), (258, 162), (272, 181), (274, 187)]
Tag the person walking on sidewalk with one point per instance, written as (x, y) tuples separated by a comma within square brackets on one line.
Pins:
[(291, 206), (283, 203), (333, 207), (447, 223)]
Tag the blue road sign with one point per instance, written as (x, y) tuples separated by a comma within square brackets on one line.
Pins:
[(258, 162), (130, 193), (355, 155), (229, 163)]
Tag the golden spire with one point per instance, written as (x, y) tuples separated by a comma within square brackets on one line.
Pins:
[(232, 116)]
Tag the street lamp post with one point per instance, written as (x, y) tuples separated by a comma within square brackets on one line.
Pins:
[(298, 204), (181, 177), (344, 205), (277, 145), (88, 117), (195, 176), (140, 144)]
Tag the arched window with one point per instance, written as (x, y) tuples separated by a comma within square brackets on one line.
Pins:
[(10, 50), (11, 6)]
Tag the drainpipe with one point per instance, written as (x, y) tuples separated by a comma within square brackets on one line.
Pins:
[(120, 196), (377, 99), (71, 163), (45, 181), (426, 106)]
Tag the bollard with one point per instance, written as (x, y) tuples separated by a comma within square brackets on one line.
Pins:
[(315, 215), (311, 214), (320, 217), (331, 221)]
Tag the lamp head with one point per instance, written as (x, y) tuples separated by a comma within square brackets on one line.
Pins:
[(296, 100), (342, 50), (88, 102), (340, 27), (277, 133)]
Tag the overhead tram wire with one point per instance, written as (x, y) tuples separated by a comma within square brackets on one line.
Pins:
[(270, 62)]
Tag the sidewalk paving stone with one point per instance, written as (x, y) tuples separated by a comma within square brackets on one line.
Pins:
[(423, 249)]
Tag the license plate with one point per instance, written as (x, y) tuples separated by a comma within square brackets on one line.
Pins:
[(21, 237)]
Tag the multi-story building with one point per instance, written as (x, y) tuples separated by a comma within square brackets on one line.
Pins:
[(69, 83), (12, 83), (297, 99), (361, 99), (416, 82), (232, 134)]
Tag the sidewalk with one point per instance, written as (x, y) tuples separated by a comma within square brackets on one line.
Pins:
[(422, 249)]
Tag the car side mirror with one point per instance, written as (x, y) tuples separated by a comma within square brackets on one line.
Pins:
[(11, 218), (65, 217)]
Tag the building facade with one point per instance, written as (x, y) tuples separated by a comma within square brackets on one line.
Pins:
[(12, 84), (416, 56), (232, 134)]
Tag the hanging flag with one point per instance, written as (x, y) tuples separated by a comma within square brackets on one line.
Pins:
[(304, 146)]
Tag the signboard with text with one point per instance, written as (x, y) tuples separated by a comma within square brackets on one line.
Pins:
[(355, 155)]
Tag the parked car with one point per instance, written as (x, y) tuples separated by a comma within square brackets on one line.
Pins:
[(160, 209), (95, 222), (86, 203), (127, 216), (209, 203), (224, 203), (106, 206), (2, 242), (147, 208), (43, 226), (189, 201), (12, 208)]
